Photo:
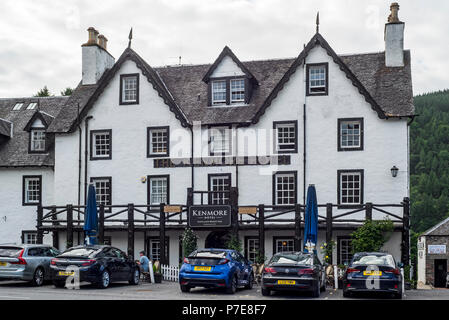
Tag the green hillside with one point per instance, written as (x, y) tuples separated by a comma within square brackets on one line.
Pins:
[(429, 160)]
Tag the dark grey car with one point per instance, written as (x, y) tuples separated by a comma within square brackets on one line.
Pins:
[(28, 262)]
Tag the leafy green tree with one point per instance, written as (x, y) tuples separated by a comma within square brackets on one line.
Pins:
[(67, 91), (44, 92), (372, 235), (189, 241), (234, 243)]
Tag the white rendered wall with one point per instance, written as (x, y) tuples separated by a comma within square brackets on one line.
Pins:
[(94, 62)]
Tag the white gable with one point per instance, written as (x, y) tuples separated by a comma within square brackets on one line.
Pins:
[(38, 124), (227, 68)]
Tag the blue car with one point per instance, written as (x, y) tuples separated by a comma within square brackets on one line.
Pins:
[(216, 268)]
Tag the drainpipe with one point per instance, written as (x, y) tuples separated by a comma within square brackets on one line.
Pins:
[(191, 160), (86, 136), (304, 133), (79, 167)]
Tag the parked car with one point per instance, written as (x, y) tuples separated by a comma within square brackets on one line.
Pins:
[(26, 262), (97, 264), (373, 272), (294, 271), (219, 268)]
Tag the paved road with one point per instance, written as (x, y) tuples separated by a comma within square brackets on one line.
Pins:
[(10, 290)]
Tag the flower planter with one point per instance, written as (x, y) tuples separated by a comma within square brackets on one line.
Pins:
[(158, 278)]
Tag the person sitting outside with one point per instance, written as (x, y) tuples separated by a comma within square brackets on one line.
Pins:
[(144, 262)]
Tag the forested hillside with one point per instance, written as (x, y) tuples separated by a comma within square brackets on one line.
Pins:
[(429, 160)]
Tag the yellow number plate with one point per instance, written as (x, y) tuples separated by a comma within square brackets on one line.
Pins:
[(372, 273), (289, 282), (65, 273), (3, 264), (202, 268)]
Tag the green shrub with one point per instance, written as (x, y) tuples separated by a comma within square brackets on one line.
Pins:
[(234, 243), (371, 236), (189, 242)]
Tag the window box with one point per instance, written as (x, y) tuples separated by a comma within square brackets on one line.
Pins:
[(286, 136), (129, 89), (350, 134), (317, 79), (100, 144), (158, 142)]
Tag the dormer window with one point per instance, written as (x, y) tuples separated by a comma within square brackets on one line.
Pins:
[(37, 140), (237, 91), (317, 79), (219, 92), (129, 89)]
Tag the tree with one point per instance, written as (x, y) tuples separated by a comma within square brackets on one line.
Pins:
[(67, 91), (234, 243), (189, 241), (44, 92), (371, 236)]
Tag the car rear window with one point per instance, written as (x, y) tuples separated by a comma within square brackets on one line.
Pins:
[(292, 258), (11, 252), (209, 258), (377, 260), (79, 252)]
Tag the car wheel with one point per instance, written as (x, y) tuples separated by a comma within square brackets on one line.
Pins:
[(266, 292), (38, 277), (59, 283), (397, 296), (249, 286), (316, 291), (323, 287), (185, 288), (135, 277), (105, 280), (233, 286)]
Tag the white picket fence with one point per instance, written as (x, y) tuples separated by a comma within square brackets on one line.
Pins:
[(170, 273)]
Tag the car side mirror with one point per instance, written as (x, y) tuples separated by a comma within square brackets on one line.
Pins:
[(400, 265)]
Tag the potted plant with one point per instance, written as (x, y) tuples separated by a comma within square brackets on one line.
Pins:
[(157, 272)]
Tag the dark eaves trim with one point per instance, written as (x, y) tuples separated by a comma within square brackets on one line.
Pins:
[(152, 78), (318, 39)]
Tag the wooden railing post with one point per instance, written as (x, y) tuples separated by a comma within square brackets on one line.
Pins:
[(297, 242), (101, 224), (131, 230), (233, 199), (369, 211), (189, 197), (162, 243), (69, 242), (55, 235), (40, 218), (261, 210), (405, 252), (329, 227)]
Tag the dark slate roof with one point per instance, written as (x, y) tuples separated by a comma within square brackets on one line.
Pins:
[(14, 151), (441, 229), (5, 128)]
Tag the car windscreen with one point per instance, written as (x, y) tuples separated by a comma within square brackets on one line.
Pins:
[(80, 252), (209, 258), (292, 258), (10, 252), (376, 260)]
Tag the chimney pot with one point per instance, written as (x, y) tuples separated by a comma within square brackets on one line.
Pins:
[(394, 17), (93, 37), (102, 41)]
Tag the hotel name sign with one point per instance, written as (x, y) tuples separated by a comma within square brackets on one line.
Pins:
[(209, 216)]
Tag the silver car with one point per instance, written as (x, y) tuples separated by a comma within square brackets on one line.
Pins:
[(28, 262)]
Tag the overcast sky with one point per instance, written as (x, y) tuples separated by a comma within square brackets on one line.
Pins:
[(41, 40)]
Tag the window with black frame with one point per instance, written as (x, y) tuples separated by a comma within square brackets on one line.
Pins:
[(220, 185)]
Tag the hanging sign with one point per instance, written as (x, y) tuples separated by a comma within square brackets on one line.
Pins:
[(209, 216)]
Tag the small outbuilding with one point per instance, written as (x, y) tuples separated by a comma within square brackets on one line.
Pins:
[(433, 256)]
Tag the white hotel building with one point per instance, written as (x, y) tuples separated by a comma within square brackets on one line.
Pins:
[(257, 132)]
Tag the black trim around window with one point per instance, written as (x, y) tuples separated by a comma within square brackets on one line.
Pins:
[(288, 238), (24, 178), (167, 176), (209, 141), (339, 146), (362, 188), (27, 232), (166, 154), (275, 125), (326, 90), (339, 247), (247, 95), (209, 184), (122, 77), (92, 156), (93, 180), (30, 139), (273, 187), (167, 246), (246, 248)]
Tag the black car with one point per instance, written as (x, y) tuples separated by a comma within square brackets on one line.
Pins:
[(294, 271), (373, 272), (96, 264)]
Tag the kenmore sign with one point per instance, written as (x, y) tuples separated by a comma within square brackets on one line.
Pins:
[(210, 216)]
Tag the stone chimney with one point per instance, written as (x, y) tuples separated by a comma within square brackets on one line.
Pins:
[(96, 58), (394, 38)]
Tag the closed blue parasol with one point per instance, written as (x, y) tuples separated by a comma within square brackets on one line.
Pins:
[(311, 220), (90, 217)]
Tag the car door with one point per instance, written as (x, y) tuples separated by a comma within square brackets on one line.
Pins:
[(121, 265), (34, 259), (47, 255), (320, 269), (239, 267), (246, 268), (111, 263)]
